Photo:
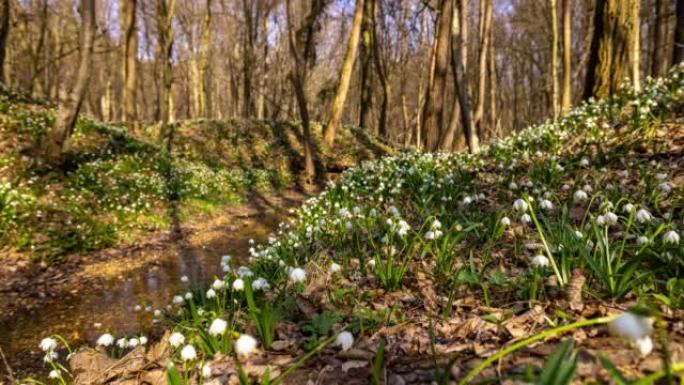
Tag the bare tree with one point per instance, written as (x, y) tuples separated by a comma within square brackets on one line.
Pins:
[(635, 42), (366, 58), (345, 76), (57, 139), (4, 32), (486, 21), (659, 62), (129, 61), (554, 59), (678, 51), (566, 97)]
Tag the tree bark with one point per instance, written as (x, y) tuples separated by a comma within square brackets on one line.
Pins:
[(345, 76), (566, 98), (249, 59), (659, 62), (609, 55), (129, 62), (678, 51), (635, 43), (4, 32), (554, 59), (484, 43), (382, 77), (433, 115), (57, 140), (366, 58)]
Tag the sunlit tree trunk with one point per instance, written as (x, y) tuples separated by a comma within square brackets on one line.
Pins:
[(635, 42), (57, 140), (486, 21), (433, 114), (554, 59), (384, 84), (566, 98), (345, 76), (129, 62), (659, 62), (165, 12), (366, 59), (248, 59), (493, 125), (4, 32)]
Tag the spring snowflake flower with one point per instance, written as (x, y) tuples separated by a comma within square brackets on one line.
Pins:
[(54, 374), (48, 344), (661, 176), (546, 204), (505, 221), (188, 353), (218, 327), (643, 216), (239, 284), (143, 340), (580, 196), (260, 284), (50, 356), (634, 328), (206, 370), (177, 299), (345, 340), (334, 268), (297, 275), (188, 296), (520, 205), (211, 293), (665, 187), (133, 342), (671, 237), (245, 345), (584, 162), (627, 208), (176, 339), (540, 261), (642, 240), (218, 284), (526, 218), (403, 227), (122, 343), (184, 279), (157, 313), (105, 340)]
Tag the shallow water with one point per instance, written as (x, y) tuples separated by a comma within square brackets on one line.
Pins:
[(110, 307)]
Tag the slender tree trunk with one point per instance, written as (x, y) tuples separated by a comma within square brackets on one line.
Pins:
[(492, 86), (382, 77), (56, 142), (433, 114), (345, 76), (204, 91), (554, 59), (248, 59), (4, 32), (165, 12), (566, 98), (659, 62), (635, 38), (486, 20), (129, 63), (678, 51), (366, 100)]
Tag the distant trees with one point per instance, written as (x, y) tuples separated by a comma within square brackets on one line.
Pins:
[(4, 31), (678, 51), (69, 107), (129, 26), (566, 98)]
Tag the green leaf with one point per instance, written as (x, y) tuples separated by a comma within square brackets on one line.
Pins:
[(613, 371)]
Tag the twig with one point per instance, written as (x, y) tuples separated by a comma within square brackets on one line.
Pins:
[(8, 367)]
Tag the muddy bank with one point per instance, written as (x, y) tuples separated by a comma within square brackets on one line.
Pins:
[(87, 295)]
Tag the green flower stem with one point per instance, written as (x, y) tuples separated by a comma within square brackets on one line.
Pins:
[(561, 282), (305, 357), (650, 379), (539, 336)]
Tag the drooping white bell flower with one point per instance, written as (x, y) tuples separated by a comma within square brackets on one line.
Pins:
[(176, 339), (540, 261), (218, 327), (345, 339), (297, 275), (245, 345), (105, 340), (188, 353), (671, 237)]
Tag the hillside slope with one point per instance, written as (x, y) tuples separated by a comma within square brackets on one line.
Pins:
[(118, 187)]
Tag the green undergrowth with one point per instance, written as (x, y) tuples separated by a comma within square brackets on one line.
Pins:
[(116, 186)]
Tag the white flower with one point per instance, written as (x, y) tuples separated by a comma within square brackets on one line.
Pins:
[(157, 313), (526, 218), (48, 344), (520, 205), (239, 284), (505, 222), (512, 186), (176, 339), (546, 204), (206, 370), (665, 187), (334, 268), (105, 340), (122, 343), (143, 340), (671, 237), (540, 261), (178, 300), (584, 162), (627, 208), (218, 327), (297, 275), (643, 216), (642, 240), (661, 176), (184, 279), (133, 342), (580, 196), (54, 374), (188, 353), (260, 284), (188, 296), (630, 326), (50, 356), (644, 345), (218, 284), (345, 340), (245, 345), (211, 293)]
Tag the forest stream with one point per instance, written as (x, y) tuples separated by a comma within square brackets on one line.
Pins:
[(122, 293)]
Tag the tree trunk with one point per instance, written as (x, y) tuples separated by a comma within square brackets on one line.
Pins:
[(566, 98), (659, 62), (57, 140), (493, 94), (384, 84), (4, 32), (433, 115), (460, 81), (345, 76), (635, 38), (165, 12), (678, 51), (129, 63), (486, 20), (609, 55), (366, 100), (248, 59), (554, 59)]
